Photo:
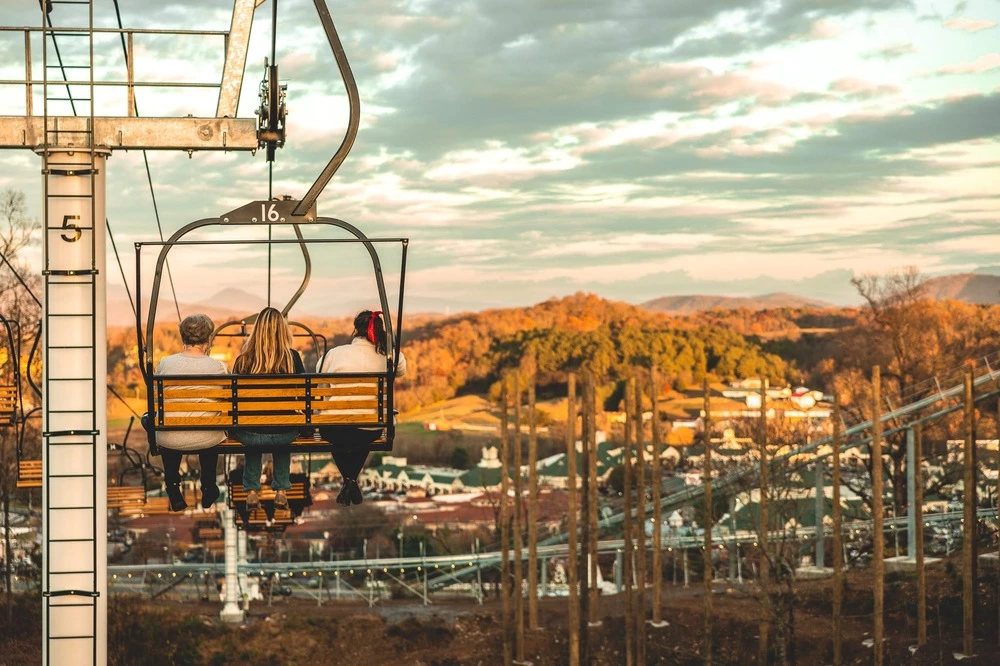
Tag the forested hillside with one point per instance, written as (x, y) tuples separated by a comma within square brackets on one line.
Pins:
[(465, 354)]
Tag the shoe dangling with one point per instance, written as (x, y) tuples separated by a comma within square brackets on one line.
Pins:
[(209, 495), (356, 496), (280, 500), (344, 497), (176, 498), (253, 500)]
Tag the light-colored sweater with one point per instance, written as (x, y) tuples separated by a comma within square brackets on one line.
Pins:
[(359, 356), (190, 440)]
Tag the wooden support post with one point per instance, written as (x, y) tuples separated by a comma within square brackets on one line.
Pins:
[(657, 509), (640, 530), (706, 473), (572, 572), (532, 509), (592, 503), (918, 535), (518, 525), (838, 539), (505, 583), (878, 535), (629, 548), (968, 517), (584, 572), (765, 562)]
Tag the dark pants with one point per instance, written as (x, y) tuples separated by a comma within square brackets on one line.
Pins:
[(172, 466), (350, 448)]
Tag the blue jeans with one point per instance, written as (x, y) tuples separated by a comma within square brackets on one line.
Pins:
[(252, 461)]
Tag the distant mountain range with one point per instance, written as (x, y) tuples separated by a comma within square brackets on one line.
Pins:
[(969, 287), (234, 303), (697, 303)]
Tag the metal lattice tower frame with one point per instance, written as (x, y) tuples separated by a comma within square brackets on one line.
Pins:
[(73, 151)]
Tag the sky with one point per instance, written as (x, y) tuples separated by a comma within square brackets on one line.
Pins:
[(535, 148)]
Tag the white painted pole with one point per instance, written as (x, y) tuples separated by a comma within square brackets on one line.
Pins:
[(241, 557), (231, 611), (74, 371)]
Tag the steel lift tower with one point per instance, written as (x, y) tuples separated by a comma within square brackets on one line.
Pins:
[(73, 151)]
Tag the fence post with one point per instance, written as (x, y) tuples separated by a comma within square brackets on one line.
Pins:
[(765, 564), (918, 534), (878, 536), (505, 581), (707, 572), (533, 563), (584, 571), (572, 569), (628, 546), (657, 509), (592, 504), (640, 525), (969, 517), (838, 538)]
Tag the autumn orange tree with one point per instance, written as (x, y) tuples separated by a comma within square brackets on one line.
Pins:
[(20, 308)]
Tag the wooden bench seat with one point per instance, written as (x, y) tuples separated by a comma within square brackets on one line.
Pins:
[(121, 496), (158, 506), (257, 520), (225, 402), (29, 474), (210, 533), (238, 495), (8, 405)]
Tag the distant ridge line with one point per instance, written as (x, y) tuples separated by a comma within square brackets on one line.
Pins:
[(700, 302)]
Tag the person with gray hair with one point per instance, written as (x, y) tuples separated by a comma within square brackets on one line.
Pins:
[(196, 335)]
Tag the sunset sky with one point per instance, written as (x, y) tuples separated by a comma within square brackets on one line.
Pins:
[(535, 148)]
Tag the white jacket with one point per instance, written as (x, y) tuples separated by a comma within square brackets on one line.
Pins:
[(359, 356)]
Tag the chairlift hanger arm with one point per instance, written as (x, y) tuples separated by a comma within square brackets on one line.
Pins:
[(354, 119), (305, 277)]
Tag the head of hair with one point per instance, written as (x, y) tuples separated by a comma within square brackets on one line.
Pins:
[(366, 320), (196, 329), (268, 350)]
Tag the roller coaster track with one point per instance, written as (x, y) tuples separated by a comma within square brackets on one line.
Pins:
[(446, 568)]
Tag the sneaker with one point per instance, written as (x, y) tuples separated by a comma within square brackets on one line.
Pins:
[(209, 495), (176, 498), (280, 500), (253, 500)]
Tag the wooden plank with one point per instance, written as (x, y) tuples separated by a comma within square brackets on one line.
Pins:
[(169, 407), (208, 380), (345, 404), (345, 390), (189, 393), (324, 419), (197, 420)]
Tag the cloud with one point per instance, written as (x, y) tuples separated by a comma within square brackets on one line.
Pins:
[(893, 51), (969, 25), (824, 29), (983, 63), (859, 88)]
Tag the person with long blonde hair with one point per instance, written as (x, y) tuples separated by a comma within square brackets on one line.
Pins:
[(268, 351)]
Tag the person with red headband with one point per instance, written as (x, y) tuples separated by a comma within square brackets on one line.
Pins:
[(365, 353)]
